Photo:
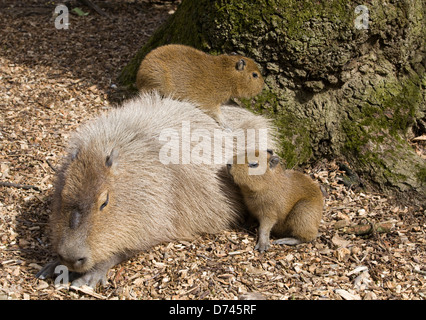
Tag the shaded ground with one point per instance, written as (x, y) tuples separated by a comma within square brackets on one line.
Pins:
[(52, 80)]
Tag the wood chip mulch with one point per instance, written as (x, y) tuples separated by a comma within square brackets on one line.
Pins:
[(53, 80)]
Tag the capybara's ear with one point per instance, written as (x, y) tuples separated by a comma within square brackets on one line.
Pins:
[(111, 158), (240, 65), (74, 154), (273, 161)]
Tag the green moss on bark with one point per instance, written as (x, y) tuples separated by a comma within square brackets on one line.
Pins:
[(294, 131), (377, 139)]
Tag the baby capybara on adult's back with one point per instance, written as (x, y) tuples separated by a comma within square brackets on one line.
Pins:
[(206, 80), (115, 196)]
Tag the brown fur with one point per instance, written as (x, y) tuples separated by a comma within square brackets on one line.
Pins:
[(286, 202), (113, 197), (206, 80)]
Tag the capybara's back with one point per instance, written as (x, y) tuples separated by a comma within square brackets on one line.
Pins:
[(141, 175)]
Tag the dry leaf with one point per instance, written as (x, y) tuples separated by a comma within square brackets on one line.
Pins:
[(340, 242)]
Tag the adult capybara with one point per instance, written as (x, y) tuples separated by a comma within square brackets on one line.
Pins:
[(144, 173)]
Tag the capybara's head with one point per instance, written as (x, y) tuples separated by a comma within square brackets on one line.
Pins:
[(82, 221), (246, 77), (253, 170)]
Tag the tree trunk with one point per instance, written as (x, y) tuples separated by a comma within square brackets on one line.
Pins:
[(341, 82)]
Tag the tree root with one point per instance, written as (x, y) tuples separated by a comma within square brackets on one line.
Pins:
[(367, 228)]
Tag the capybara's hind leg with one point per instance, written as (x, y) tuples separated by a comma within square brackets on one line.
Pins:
[(301, 224), (217, 115), (288, 241)]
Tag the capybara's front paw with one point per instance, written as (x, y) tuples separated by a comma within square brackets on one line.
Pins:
[(262, 246), (48, 270)]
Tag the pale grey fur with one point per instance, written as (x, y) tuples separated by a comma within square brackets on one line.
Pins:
[(150, 202)]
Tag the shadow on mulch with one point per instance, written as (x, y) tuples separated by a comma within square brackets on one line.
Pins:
[(32, 241), (94, 48)]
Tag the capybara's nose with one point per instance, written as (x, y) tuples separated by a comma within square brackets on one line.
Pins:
[(75, 258), (73, 263), (79, 263)]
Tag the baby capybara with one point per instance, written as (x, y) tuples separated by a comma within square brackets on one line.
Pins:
[(206, 80), (285, 202)]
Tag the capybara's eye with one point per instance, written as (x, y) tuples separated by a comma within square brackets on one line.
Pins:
[(253, 164), (103, 205), (255, 75)]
